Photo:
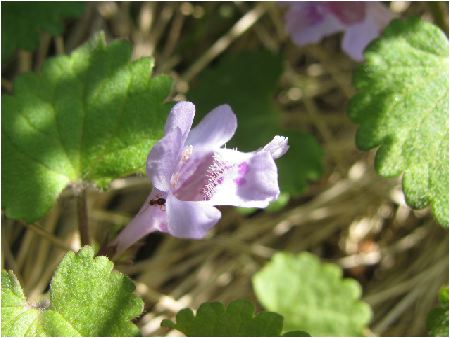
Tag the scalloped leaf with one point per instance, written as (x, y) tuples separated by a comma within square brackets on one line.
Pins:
[(402, 107), (437, 320), (247, 82), (91, 116), (22, 23), (87, 298), (237, 320), (312, 296)]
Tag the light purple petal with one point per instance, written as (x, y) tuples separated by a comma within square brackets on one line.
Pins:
[(181, 116), (190, 219), (311, 21), (358, 36), (277, 147), (163, 159), (150, 218), (251, 180), (215, 129), (348, 12)]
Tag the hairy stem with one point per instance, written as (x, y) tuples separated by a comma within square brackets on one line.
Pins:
[(83, 218)]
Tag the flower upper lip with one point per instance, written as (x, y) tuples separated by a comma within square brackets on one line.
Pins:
[(308, 22)]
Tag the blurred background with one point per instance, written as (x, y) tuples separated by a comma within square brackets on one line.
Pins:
[(333, 203)]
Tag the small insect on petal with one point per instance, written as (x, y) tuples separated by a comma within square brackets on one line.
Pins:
[(159, 201)]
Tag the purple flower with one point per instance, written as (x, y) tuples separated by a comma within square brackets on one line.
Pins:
[(191, 172), (310, 21)]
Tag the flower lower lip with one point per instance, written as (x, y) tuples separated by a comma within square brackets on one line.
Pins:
[(196, 178)]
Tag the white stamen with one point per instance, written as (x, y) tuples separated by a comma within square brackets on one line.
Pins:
[(187, 152), (185, 155), (174, 180)]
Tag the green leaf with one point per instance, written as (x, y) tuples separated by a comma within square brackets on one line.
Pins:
[(91, 116), (402, 107), (311, 296), (22, 22), (301, 164), (276, 205), (237, 320), (17, 316), (437, 320), (247, 82), (87, 298)]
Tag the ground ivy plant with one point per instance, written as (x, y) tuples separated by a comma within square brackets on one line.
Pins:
[(402, 108), (236, 320), (93, 116), (88, 117), (312, 296), (80, 282)]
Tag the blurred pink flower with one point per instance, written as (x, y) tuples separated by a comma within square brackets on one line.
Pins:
[(310, 21)]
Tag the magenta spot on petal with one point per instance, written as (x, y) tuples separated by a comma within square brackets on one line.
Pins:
[(243, 168), (348, 12), (220, 180), (314, 13), (240, 181)]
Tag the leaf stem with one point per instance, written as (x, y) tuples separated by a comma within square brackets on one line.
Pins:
[(107, 250), (83, 217)]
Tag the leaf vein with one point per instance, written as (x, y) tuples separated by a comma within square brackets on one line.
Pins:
[(34, 159)]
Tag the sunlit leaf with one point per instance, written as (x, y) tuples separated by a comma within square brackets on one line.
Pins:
[(402, 108), (87, 298), (91, 116), (312, 296)]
